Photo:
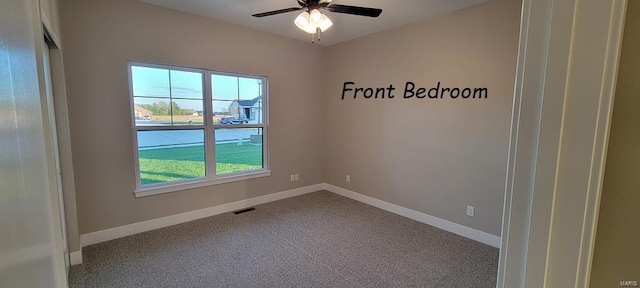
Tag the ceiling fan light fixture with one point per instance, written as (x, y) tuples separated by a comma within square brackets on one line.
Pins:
[(302, 21), (315, 16), (325, 23), (311, 22), (311, 29)]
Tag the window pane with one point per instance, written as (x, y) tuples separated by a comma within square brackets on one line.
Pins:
[(249, 88), (227, 112), (152, 111), (186, 85), (221, 107), (224, 87), (166, 156), (246, 111), (249, 106), (158, 112), (150, 82), (250, 110), (238, 150), (187, 112)]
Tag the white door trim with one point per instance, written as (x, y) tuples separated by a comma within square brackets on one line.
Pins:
[(565, 81)]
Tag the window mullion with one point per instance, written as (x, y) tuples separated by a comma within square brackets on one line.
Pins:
[(169, 128), (265, 123), (210, 152), (170, 97), (136, 151), (235, 126)]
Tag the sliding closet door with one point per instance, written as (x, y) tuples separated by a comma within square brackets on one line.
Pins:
[(29, 230)]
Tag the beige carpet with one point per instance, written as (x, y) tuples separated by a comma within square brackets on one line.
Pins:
[(315, 240)]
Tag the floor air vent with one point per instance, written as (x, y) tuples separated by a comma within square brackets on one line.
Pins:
[(244, 210)]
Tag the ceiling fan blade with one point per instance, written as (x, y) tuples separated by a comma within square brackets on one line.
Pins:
[(274, 12), (355, 10), (303, 3)]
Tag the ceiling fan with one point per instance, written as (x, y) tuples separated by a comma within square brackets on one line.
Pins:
[(312, 21)]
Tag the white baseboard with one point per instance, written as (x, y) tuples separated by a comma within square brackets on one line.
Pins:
[(144, 226), (461, 230), (135, 228), (75, 258)]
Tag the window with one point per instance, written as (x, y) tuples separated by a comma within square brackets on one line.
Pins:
[(194, 127)]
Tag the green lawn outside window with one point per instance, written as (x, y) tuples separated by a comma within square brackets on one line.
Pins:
[(162, 165)]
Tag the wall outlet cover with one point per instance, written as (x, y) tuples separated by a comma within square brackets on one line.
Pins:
[(471, 211)]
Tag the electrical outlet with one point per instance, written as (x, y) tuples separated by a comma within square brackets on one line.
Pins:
[(296, 177), (293, 178), (348, 179), (471, 211)]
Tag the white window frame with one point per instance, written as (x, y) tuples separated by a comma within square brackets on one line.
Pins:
[(210, 178)]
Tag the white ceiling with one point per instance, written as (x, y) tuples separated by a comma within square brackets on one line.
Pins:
[(346, 27)]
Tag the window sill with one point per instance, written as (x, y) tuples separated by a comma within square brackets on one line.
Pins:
[(173, 187)]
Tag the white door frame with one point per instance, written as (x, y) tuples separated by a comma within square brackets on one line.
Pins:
[(56, 173), (51, 136), (565, 83)]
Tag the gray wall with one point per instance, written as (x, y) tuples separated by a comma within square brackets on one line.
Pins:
[(99, 38), (616, 251), (433, 156)]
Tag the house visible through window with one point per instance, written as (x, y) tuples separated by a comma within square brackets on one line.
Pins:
[(196, 126)]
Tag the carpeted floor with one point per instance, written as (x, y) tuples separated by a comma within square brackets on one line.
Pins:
[(315, 240)]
